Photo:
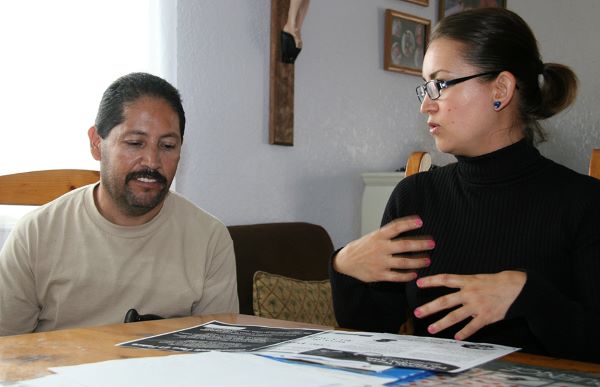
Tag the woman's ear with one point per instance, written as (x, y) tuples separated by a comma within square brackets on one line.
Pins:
[(505, 87), (95, 141)]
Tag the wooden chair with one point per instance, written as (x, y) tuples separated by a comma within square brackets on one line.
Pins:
[(293, 249), (417, 162), (595, 163), (40, 187)]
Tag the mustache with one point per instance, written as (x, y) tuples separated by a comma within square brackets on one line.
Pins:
[(147, 173)]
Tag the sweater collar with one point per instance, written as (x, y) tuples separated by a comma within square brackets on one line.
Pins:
[(501, 166)]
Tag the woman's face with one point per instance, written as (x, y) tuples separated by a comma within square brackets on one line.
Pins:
[(462, 119)]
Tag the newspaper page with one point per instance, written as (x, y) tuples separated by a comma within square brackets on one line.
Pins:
[(363, 351), (219, 336), (380, 351)]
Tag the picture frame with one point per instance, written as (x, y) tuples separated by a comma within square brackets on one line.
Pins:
[(449, 7), (405, 42), (424, 3)]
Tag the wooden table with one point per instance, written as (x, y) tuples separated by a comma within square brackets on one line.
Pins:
[(29, 356)]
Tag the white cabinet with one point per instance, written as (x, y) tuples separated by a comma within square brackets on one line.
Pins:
[(378, 188)]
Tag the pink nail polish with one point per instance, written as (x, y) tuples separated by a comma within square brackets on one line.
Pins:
[(431, 329), (419, 282), (418, 313), (427, 261), (418, 222), (431, 244)]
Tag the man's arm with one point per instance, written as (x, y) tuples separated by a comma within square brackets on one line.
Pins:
[(220, 283), (19, 308)]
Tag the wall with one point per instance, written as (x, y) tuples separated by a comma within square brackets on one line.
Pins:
[(350, 115), (568, 33)]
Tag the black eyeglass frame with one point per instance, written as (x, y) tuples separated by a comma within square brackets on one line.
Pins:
[(422, 90)]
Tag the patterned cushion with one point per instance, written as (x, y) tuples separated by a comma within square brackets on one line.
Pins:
[(276, 296)]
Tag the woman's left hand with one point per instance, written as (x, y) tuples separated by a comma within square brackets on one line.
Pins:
[(484, 297)]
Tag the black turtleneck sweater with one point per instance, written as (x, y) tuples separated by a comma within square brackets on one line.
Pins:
[(511, 209)]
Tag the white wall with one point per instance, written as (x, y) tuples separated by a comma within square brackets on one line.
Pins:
[(568, 32), (351, 116)]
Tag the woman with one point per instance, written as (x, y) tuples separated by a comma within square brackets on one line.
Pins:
[(504, 245)]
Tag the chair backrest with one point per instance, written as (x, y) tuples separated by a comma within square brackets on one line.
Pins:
[(417, 162), (40, 187), (595, 164), (294, 249)]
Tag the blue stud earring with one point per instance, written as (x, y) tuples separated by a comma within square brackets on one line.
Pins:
[(497, 105)]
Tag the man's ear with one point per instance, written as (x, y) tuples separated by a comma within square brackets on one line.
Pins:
[(95, 141), (505, 87)]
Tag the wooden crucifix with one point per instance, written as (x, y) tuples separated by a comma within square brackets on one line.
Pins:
[(286, 19)]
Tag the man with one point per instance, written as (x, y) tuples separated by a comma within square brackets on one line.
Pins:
[(126, 242)]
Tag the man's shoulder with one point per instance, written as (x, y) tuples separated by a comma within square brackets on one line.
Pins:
[(59, 207), (185, 209)]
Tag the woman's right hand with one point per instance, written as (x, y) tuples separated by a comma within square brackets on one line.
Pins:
[(378, 256)]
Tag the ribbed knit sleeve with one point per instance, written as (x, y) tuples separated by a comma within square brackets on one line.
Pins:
[(379, 307), (564, 315)]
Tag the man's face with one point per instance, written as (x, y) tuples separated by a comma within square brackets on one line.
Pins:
[(139, 157)]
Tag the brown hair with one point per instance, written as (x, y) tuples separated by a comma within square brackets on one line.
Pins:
[(497, 39)]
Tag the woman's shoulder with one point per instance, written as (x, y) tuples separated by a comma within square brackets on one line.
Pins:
[(574, 186), (425, 183), (568, 177), (432, 176)]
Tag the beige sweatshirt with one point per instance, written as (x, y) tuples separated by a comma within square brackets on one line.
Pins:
[(64, 265)]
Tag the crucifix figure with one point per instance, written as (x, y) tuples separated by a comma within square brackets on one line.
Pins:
[(291, 40), (287, 17)]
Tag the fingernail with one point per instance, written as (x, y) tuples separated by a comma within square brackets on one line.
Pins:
[(431, 244), (419, 282), (418, 313), (431, 329), (427, 262), (418, 222)]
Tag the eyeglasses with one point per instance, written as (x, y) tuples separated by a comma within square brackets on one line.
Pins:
[(434, 87)]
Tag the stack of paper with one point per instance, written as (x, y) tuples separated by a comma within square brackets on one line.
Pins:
[(201, 369)]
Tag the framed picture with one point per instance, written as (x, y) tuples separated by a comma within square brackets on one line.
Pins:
[(448, 7), (405, 42), (424, 3)]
